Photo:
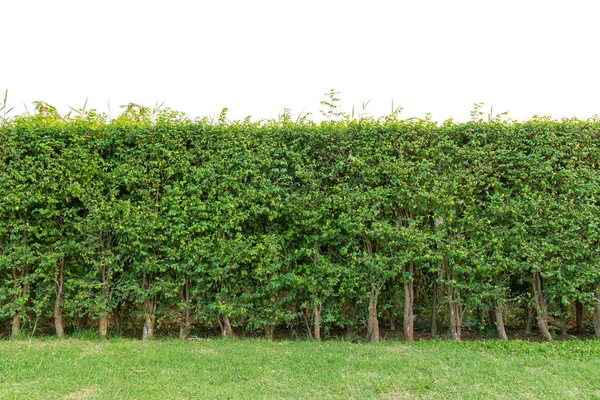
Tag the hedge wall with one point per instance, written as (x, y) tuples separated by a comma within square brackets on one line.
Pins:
[(167, 223)]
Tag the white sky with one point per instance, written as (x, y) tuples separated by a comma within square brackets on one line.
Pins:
[(256, 57)]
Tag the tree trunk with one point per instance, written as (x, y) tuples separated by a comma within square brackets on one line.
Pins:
[(226, 329), (150, 320), (373, 324), (392, 319), (103, 326), (456, 312), (148, 331), (19, 276), (579, 316), (436, 302), (436, 223), (184, 327), (318, 309), (541, 306), (455, 307), (104, 322), (269, 331), (58, 320), (597, 312), (16, 324), (409, 297), (529, 322), (500, 319)]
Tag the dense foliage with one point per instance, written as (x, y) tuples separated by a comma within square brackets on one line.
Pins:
[(157, 221)]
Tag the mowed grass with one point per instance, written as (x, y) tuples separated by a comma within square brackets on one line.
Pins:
[(257, 369)]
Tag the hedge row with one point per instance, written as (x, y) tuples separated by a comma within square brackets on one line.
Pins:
[(164, 222)]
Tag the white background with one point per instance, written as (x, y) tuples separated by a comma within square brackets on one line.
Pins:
[(527, 57)]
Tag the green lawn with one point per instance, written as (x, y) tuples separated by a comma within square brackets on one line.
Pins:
[(213, 368)]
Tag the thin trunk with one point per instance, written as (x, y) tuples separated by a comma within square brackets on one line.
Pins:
[(456, 312), (436, 302), (104, 322), (105, 272), (455, 307), (436, 223), (579, 316), (597, 312), (318, 309), (103, 326), (541, 306), (373, 324), (226, 329), (148, 331), (184, 327), (58, 322), (269, 331), (150, 320), (455, 332), (529, 322), (409, 297), (500, 319), (16, 324), (60, 281), (151, 307)]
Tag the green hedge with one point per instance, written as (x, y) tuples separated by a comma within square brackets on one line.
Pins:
[(175, 224)]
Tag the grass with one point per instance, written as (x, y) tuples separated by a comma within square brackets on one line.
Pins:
[(255, 369)]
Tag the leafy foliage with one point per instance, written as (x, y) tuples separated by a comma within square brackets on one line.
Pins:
[(269, 224)]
